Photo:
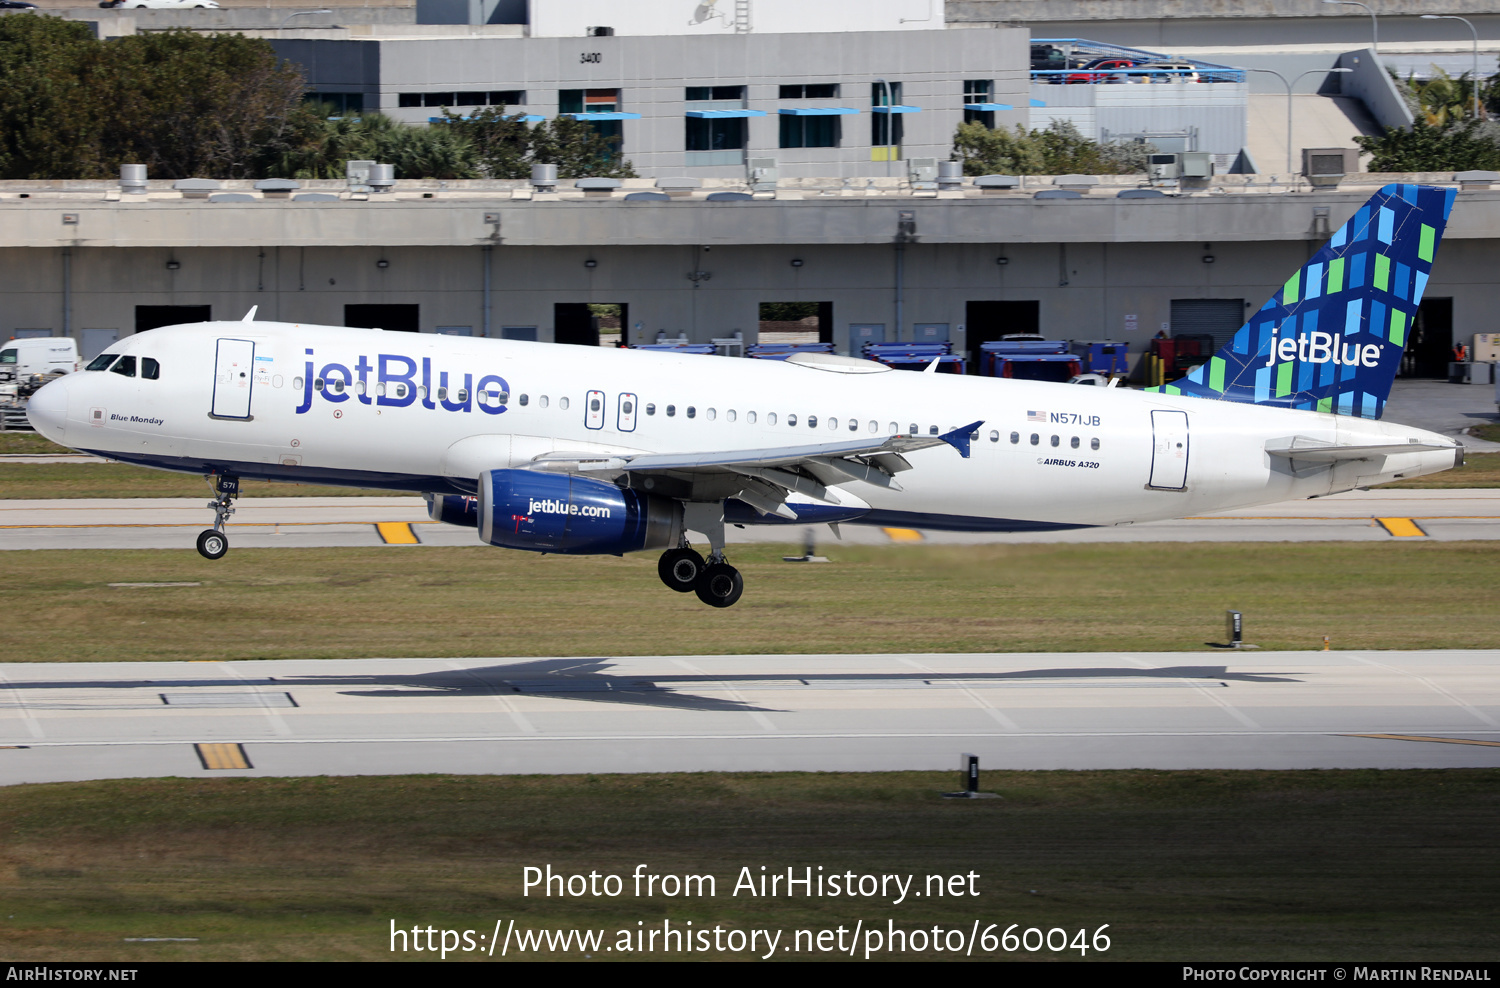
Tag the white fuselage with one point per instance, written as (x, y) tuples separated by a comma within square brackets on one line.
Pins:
[(1079, 456)]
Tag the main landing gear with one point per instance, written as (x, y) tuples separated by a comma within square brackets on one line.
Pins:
[(716, 583), (213, 542)]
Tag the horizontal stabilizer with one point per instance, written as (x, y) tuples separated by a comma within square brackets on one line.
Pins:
[(1318, 451)]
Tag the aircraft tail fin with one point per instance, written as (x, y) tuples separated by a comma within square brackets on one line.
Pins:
[(1331, 339)]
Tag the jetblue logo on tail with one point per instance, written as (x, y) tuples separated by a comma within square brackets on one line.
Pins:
[(1331, 339)]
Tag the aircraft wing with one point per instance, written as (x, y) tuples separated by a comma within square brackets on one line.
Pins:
[(769, 474)]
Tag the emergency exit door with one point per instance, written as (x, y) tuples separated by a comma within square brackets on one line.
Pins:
[(234, 366), (1169, 450)]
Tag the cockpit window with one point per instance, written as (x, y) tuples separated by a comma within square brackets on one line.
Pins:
[(102, 361), (150, 369), (125, 366), (7, 356)]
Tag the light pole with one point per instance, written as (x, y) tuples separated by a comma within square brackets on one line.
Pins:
[(1289, 86), (300, 13), (1374, 24), (1474, 79)]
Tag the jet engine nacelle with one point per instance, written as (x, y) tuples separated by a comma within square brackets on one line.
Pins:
[(546, 512), (453, 509)]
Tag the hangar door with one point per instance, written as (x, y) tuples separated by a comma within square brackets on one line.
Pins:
[(1220, 318), (1169, 450)]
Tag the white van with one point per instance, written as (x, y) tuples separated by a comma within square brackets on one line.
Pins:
[(38, 356)]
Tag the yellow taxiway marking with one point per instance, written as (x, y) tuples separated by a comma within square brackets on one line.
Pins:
[(903, 534), (1418, 737), (218, 756), (397, 533), (1401, 528)]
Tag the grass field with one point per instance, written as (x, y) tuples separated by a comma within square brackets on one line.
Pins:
[(363, 602), (1201, 865)]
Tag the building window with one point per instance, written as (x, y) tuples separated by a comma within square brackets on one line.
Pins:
[(885, 128), (338, 104), (815, 90), (810, 132), (496, 97), (595, 101), (979, 91), (700, 93), (715, 135)]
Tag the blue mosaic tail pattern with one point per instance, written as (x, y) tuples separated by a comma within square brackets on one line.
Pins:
[(1331, 339)]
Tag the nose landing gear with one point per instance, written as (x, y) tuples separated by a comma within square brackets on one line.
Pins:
[(213, 542)]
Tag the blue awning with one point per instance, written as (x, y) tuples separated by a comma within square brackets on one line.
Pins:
[(1038, 102), (814, 111), (896, 109), (723, 114), (988, 107), (602, 116)]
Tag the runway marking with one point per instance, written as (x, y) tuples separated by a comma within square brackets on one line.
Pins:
[(216, 756), (838, 736), (1458, 701), (261, 700), (32, 726), (397, 533), (760, 718), (903, 534), (505, 704), (1417, 737), (979, 700), (1402, 528)]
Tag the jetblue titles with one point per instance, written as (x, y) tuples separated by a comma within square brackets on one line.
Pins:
[(400, 381)]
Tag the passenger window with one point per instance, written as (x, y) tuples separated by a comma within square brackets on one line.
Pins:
[(651, 409), (400, 391), (729, 415), (750, 417), (692, 412), (463, 395), (150, 369), (770, 418), (710, 414), (1035, 439), (1094, 443), (1015, 437), (125, 366), (442, 393), (562, 403), (854, 426), (595, 405), (932, 430), (422, 393), (627, 407), (525, 400), (338, 386), (894, 429), (915, 430), (994, 436), (671, 410), (541, 401), (1074, 443), (812, 421), (1054, 440), (297, 383), (791, 420), (99, 363), (318, 384), (504, 395)]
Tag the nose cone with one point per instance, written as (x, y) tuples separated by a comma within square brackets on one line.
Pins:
[(48, 410)]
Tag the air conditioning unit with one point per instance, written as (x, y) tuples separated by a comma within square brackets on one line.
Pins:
[(1326, 167), (1164, 168), (763, 174)]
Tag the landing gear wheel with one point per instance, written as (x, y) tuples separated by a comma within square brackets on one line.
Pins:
[(212, 544), (720, 585), (680, 568)]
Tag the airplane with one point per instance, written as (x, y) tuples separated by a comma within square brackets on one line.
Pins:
[(608, 451)]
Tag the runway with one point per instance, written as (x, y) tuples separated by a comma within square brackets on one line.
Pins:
[(306, 522), (1169, 710)]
